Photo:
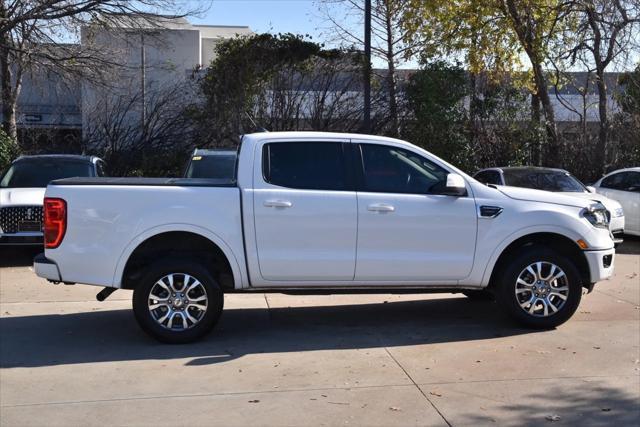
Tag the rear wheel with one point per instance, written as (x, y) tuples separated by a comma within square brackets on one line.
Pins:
[(177, 301), (540, 288)]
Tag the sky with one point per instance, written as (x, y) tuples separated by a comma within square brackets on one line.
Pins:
[(295, 16), (273, 16)]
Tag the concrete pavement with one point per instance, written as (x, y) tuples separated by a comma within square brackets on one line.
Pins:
[(384, 360)]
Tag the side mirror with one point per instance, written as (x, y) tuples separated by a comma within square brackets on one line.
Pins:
[(591, 189), (455, 185)]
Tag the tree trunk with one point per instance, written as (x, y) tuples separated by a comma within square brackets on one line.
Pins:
[(603, 133), (474, 131), (536, 146), (9, 95), (391, 75), (552, 156)]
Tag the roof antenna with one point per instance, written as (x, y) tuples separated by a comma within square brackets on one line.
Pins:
[(258, 128)]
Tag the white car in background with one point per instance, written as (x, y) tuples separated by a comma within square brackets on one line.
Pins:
[(22, 189), (623, 186), (558, 181)]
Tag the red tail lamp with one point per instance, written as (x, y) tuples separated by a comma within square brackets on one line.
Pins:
[(55, 221)]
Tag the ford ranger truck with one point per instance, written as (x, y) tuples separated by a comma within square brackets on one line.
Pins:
[(320, 213)]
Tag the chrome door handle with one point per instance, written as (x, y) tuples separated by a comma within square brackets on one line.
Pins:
[(380, 207), (277, 203)]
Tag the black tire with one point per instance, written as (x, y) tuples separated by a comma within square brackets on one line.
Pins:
[(479, 295), (506, 288), (207, 318)]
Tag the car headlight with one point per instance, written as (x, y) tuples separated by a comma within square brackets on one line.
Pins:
[(618, 213), (596, 214)]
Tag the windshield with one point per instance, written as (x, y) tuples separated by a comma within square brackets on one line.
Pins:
[(548, 180), (221, 166), (38, 173)]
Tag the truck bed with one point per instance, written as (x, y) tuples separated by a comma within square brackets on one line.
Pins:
[(107, 218)]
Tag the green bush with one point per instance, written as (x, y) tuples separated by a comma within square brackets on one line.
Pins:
[(8, 150)]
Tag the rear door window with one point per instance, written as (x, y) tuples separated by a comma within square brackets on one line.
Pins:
[(305, 165)]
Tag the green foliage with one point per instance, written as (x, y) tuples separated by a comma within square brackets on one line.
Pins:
[(8, 150), (629, 100), (436, 99), (239, 72), (624, 150), (468, 120), (499, 124)]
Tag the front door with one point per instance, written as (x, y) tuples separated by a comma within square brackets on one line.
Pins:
[(407, 232), (305, 212)]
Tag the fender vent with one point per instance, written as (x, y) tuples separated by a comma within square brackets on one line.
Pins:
[(490, 211)]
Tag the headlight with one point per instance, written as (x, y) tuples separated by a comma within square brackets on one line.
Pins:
[(618, 213), (596, 214)]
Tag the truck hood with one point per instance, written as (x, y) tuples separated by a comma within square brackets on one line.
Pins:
[(21, 196), (529, 195)]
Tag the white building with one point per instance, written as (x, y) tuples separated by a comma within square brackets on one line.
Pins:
[(150, 57)]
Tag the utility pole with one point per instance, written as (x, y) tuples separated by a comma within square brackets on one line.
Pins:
[(366, 125)]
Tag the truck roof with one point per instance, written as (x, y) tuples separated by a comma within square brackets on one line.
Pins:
[(323, 135)]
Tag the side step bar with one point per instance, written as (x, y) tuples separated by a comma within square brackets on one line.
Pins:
[(104, 294)]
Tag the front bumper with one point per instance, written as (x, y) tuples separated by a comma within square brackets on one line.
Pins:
[(600, 264), (46, 268), (617, 229)]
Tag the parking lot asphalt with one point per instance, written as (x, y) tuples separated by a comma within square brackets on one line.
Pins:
[(386, 360)]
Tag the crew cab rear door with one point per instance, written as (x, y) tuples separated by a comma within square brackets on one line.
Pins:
[(305, 212)]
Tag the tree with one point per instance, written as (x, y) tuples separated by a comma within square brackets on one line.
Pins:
[(320, 93), (436, 96), (389, 41), (493, 36), (625, 150), (283, 82), (605, 33), (31, 31), (152, 149), (441, 119)]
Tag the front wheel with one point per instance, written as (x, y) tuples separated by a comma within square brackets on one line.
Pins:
[(177, 301), (540, 288)]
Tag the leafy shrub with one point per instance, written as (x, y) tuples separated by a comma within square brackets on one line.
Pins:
[(8, 150)]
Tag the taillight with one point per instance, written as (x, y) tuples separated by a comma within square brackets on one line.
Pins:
[(55, 221)]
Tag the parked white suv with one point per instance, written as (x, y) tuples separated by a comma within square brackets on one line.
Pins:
[(322, 213), (624, 186), (22, 189)]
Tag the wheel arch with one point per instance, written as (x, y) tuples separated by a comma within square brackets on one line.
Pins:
[(183, 241), (556, 241)]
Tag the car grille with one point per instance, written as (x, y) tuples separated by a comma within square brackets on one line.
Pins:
[(14, 219)]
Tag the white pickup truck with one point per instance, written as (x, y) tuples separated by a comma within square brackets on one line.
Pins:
[(322, 213)]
